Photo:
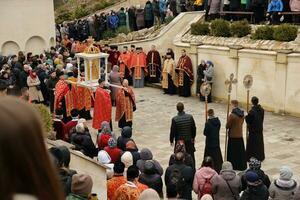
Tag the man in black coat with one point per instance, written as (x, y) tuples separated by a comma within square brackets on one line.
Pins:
[(183, 129), (179, 179), (212, 142), (255, 141)]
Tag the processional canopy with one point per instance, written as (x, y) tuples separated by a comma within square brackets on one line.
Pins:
[(93, 60)]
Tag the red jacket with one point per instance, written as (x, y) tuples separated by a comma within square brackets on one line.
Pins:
[(114, 153), (60, 129)]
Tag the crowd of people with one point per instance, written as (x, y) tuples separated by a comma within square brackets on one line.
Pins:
[(132, 173), (156, 12)]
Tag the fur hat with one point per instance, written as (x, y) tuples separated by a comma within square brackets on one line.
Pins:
[(227, 166), (206, 197), (82, 184), (286, 173), (149, 194), (127, 159)]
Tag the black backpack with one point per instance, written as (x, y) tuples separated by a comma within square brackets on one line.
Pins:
[(175, 176)]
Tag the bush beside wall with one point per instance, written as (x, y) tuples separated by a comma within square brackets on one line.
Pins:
[(240, 28), (200, 28), (220, 28), (285, 32)]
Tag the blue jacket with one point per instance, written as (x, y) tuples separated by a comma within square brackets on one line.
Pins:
[(162, 6), (275, 6), (113, 21)]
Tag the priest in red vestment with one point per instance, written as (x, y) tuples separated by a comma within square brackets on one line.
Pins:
[(139, 68), (123, 61), (102, 106), (184, 70), (125, 105), (154, 65), (113, 55), (61, 90)]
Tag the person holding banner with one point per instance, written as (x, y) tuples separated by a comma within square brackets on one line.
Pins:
[(212, 142), (255, 120), (236, 153)]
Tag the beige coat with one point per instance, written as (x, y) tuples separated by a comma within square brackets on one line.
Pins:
[(34, 94)]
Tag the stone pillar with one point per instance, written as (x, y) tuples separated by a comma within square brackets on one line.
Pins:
[(194, 57), (280, 81), (233, 54)]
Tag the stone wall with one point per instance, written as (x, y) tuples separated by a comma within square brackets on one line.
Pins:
[(275, 75), (26, 26)]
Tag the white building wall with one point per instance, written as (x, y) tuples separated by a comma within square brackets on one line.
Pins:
[(26, 25)]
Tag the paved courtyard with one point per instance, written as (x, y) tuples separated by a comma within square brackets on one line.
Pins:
[(152, 121)]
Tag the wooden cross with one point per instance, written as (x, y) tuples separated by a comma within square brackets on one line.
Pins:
[(229, 82)]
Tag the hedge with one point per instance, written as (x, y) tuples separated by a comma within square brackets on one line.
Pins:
[(285, 32), (263, 33), (240, 28), (220, 28), (199, 28)]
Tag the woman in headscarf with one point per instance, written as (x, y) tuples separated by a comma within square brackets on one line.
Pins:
[(104, 135), (188, 160), (114, 78)]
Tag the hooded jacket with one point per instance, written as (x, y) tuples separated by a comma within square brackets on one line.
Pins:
[(151, 178), (275, 6), (201, 175), (261, 174), (212, 133), (235, 123), (146, 155), (256, 191), (221, 191), (124, 138), (283, 190)]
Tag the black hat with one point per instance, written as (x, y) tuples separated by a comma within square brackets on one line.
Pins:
[(125, 47), (114, 47), (132, 46), (101, 80)]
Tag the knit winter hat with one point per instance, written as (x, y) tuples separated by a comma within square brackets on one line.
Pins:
[(112, 143), (251, 177), (286, 173), (149, 194), (127, 159), (103, 157), (227, 166), (82, 184), (254, 164), (206, 197)]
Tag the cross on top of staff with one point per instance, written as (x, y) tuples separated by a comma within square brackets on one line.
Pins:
[(231, 81)]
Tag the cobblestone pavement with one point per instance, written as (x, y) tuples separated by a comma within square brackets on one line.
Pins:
[(152, 121)]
